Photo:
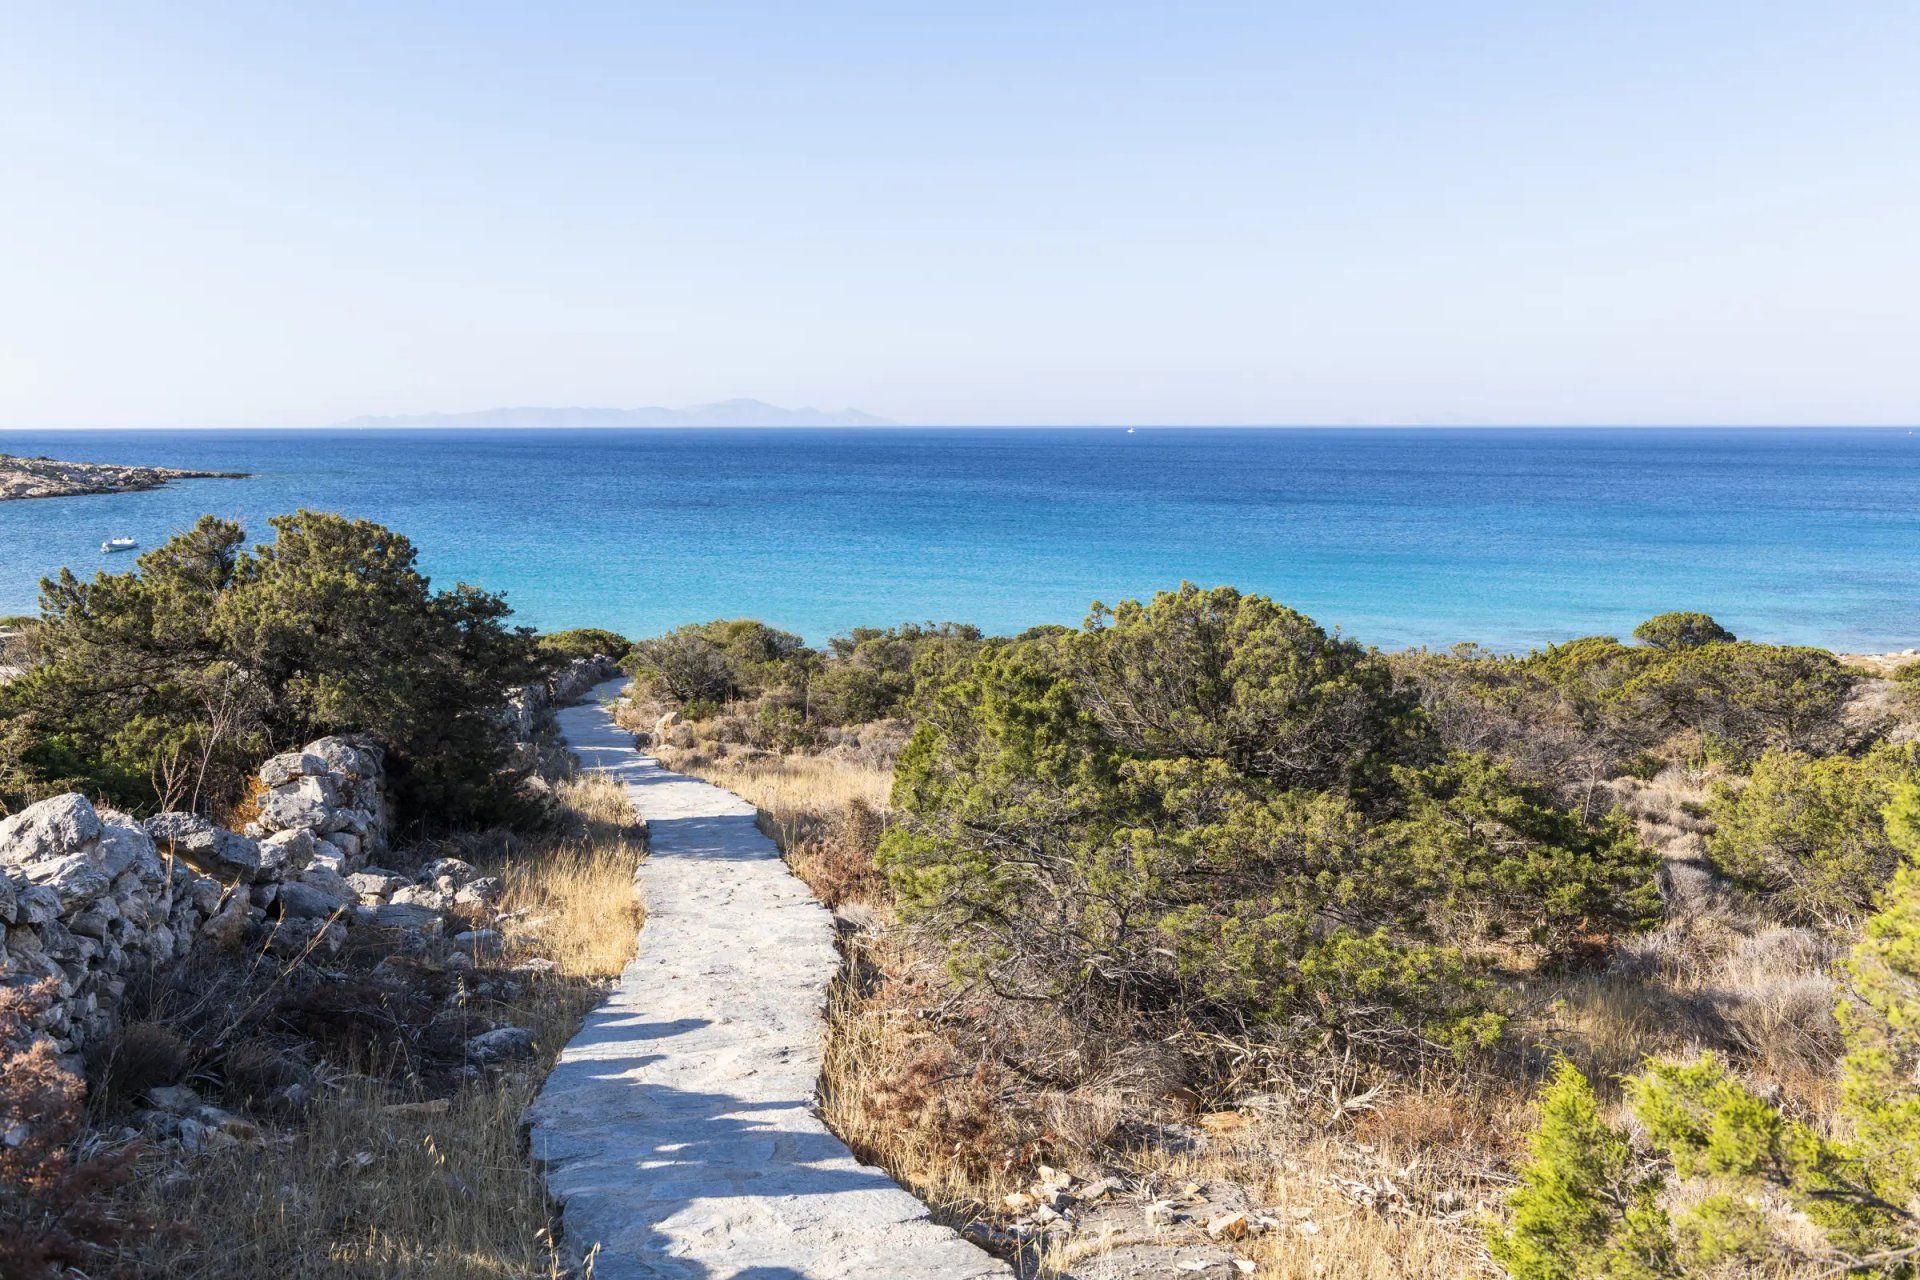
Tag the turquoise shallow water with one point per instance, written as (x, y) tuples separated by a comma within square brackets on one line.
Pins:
[(1509, 537)]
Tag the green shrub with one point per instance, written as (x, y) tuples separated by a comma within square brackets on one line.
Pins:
[(872, 674), (1757, 1177), (1503, 856), (1680, 631), (168, 684), (1206, 807), (1753, 696), (1743, 697), (1585, 1208), (1807, 833), (703, 666), (1240, 678), (584, 642)]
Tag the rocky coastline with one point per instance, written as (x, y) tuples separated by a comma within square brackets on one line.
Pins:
[(22, 477)]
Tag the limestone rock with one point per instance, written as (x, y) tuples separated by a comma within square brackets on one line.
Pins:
[(76, 878), (288, 852), (503, 1045), (480, 942), (375, 884), (283, 769), (301, 901), (452, 868), (342, 756), (48, 829), (400, 915)]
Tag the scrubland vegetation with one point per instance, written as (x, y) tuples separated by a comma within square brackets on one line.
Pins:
[(1196, 925), (164, 688), (344, 1112), (1589, 962)]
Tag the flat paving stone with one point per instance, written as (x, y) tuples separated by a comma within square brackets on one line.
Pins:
[(679, 1132)]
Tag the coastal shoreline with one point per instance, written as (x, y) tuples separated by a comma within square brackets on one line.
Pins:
[(23, 479)]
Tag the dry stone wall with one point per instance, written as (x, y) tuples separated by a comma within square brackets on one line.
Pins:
[(90, 897), (522, 714)]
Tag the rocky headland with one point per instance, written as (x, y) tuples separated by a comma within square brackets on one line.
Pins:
[(22, 477)]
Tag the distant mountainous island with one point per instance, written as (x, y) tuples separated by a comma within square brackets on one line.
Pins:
[(724, 413)]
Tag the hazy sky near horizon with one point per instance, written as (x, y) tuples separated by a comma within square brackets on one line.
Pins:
[(248, 214)]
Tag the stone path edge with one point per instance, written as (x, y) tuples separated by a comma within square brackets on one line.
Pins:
[(679, 1131)]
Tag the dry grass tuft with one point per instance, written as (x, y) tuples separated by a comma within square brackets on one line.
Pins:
[(941, 1120), (377, 1179)]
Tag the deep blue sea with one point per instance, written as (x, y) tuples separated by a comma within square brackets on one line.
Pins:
[(1511, 537)]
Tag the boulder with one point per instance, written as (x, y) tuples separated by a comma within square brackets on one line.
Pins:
[(125, 847), (375, 884), (453, 868), (342, 756), (211, 848), (9, 899), (283, 769), (301, 901), (480, 942), (480, 893), (36, 904), (288, 852), (502, 1045), (400, 915), (48, 829), (76, 878), (423, 895), (304, 802), (228, 928)]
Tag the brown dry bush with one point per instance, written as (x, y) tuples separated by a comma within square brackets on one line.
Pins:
[(57, 1207)]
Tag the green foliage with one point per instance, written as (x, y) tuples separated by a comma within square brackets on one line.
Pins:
[(703, 666), (1746, 697), (1501, 853), (584, 642), (1882, 1027), (1807, 832), (1236, 677), (168, 684), (1907, 674), (1753, 696), (1741, 1153), (1205, 807), (872, 674), (1680, 631), (1584, 1209)]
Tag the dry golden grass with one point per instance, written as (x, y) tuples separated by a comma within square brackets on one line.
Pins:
[(374, 1184), (793, 792)]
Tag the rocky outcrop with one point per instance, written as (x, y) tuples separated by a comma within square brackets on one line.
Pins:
[(47, 478)]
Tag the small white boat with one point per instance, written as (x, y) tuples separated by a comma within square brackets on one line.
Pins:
[(118, 544)]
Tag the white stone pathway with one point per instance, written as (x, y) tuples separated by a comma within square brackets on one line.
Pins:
[(678, 1131)]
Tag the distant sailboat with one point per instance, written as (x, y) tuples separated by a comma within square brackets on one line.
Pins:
[(118, 544), (1130, 431)]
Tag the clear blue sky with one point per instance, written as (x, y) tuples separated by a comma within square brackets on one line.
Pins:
[(265, 214)]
